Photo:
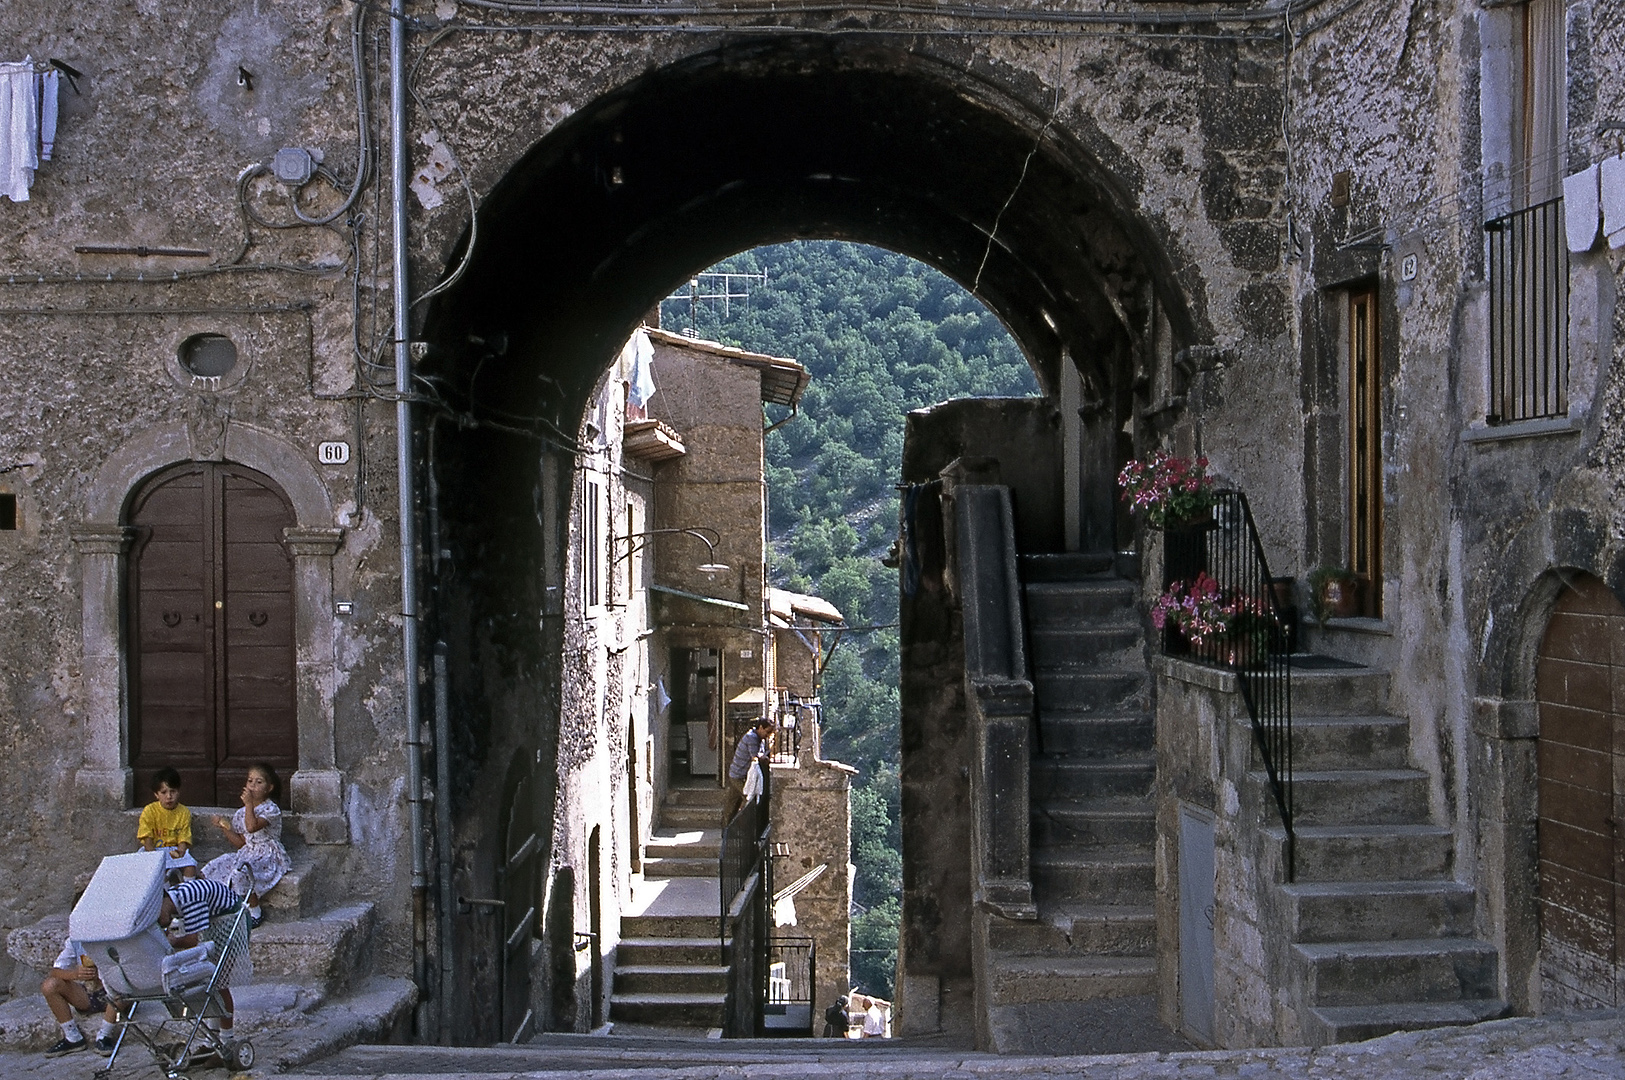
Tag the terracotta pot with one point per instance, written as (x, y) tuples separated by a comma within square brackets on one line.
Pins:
[(1339, 598)]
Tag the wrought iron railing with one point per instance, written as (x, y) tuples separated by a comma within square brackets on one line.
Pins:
[(792, 978), (1225, 546), (745, 875), (1528, 274)]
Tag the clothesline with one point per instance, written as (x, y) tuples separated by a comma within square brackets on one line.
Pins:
[(28, 116)]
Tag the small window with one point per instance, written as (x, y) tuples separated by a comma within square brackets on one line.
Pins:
[(8, 513), (208, 356)]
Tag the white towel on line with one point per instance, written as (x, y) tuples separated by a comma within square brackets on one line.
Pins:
[(1613, 200), (1582, 208), (50, 82), (19, 129)]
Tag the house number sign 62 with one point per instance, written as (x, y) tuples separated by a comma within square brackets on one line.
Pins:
[(333, 453)]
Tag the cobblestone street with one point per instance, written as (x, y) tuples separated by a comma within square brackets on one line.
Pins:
[(1519, 1049)]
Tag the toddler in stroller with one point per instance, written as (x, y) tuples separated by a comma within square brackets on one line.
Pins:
[(160, 993)]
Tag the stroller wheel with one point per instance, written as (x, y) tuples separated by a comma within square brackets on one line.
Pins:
[(242, 1055)]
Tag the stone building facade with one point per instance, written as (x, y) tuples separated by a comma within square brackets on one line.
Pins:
[(1195, 221)]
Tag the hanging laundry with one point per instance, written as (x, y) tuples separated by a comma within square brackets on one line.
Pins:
[(19, 129), (1582, 208), (637, 359), (1613, 201), (46, 88)]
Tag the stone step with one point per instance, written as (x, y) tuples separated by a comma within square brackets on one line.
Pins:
[(1356, 1023), (1089, 601), (1078, 929), (667, 867), (293, 897), (1071, 566), (1083, 691), (1365, 852), (1094, 822), (324, 951), (668, 950), (688, 844), (1383, 972), (1098, 875), (1353, 796), (683, 818), (709, 795), (673, 926), (1342, 742), (1373, 910), (1084, 778), (1085, 734), (1339, 692), (668, 1010), (1057, 647), (1022, 979), (671, 978)]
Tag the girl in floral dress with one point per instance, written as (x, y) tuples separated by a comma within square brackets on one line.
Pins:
[(255, 833)]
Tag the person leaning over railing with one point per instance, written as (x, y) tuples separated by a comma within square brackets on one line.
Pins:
[(755, 745)]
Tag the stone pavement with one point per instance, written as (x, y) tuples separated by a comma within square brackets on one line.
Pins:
[(1591, 1047)]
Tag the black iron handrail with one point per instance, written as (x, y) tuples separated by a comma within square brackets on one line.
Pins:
[(742, 850), (745, 885), (1528, 275), (1224, 545)]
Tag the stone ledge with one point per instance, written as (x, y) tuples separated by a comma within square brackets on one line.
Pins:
[(1491, 434), (1171, 667)]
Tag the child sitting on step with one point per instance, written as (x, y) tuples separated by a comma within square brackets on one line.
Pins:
[(167, 823), (258, 859)]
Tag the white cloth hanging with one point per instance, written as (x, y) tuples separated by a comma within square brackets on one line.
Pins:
[(753, 781), (1613, 201), (637, 359), (50, 82), (19, 129)]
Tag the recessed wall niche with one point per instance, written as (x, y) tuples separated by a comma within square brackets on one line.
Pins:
[(209, 356), (209, 359)]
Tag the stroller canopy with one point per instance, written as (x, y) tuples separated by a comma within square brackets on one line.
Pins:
[(122, 899)]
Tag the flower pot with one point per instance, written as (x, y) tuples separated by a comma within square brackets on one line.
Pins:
[(1339, 599)]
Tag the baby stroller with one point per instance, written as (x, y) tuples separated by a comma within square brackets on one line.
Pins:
[(163, 997)]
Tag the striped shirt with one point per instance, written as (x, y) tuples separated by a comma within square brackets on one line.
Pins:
[(749, 747), (200, 900)]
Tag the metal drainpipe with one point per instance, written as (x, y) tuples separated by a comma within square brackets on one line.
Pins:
[(403, 458)]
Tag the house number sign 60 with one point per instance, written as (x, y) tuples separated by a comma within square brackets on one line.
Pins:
[(333, 453)]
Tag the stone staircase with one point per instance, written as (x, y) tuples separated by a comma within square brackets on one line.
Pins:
[(668, 965), (1381, 931), (1093, 818)]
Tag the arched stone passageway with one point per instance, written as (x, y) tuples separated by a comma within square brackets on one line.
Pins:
[(752, 144)]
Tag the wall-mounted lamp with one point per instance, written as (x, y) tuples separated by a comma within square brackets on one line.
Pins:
[(707, 536)]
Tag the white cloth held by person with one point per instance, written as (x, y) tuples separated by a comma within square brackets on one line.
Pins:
[(753, 781)]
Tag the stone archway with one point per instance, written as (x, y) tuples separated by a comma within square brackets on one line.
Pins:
[(104, 781), (828, 138)]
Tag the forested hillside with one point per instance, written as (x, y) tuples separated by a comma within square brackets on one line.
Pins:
[(881, 334)]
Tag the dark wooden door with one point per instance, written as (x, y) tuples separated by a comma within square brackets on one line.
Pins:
[(1580, 683), (212, 667)]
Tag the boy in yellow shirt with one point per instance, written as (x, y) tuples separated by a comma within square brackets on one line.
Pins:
[(165, 822)]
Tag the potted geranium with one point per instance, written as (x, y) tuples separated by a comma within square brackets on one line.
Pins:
[(1222, 623), (1169, 490)]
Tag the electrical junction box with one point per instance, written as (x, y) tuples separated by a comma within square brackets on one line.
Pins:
[(293, 165)]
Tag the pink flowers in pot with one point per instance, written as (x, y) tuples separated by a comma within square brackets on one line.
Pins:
[(1204, 612), (1166, 488)]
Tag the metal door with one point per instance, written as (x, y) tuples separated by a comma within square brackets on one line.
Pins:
[(1196, 922), (212, 662)]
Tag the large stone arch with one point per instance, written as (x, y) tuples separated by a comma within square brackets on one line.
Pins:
[(827, 138), (104, 781)]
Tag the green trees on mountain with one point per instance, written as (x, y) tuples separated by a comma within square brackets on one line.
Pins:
[(881, 334)]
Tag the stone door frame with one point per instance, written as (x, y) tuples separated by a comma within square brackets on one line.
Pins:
[(104, 780)]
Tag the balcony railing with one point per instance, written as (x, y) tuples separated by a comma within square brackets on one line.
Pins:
[(1528, 275), (1225, 545)]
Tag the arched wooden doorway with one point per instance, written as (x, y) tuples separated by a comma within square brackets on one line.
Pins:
[(212, 659), (1580, 684)]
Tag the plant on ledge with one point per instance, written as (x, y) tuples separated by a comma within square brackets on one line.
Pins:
[(1218, 623), (1168, 489)]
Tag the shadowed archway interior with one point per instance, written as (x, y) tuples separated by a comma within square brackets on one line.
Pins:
[(755, 143)]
